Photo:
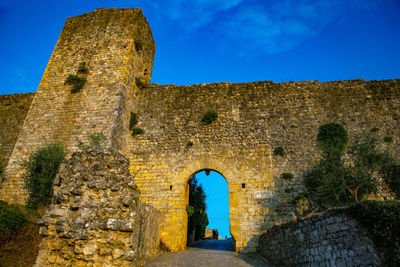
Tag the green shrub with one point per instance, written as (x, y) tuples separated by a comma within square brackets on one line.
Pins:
[(209, 116), (41, 169), (375, 129), (331, 183), (287, 175), (140, 83), (388, 139), (382, 220), (76, 81), (11, 218), (136, 131), (332, 137), (96, 141), (133, 120), (279, 151), (189, 144), (82, 68)]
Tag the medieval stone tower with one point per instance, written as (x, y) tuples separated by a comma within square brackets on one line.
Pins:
[(104, 43), (117, 48)]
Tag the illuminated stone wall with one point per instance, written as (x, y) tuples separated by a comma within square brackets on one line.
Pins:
[(106, 41), (253, 119)]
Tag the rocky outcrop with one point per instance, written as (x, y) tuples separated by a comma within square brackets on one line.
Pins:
[(95, 217)]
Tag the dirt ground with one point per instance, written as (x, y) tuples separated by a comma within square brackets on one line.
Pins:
[(22, 248)]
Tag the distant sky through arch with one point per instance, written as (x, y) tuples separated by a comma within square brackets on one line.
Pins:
[(217, 201)]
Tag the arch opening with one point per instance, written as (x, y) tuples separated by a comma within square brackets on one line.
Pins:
[(212, 224)]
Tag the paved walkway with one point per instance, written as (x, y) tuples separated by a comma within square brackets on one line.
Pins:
[(209, 253)]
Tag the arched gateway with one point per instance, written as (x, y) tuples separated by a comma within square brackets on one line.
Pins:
[(254, 120)]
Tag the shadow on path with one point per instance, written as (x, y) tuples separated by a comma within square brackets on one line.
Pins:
[(208, 253), (221, 245)]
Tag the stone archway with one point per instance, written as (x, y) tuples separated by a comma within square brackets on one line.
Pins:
[(208, 178), (228, 173)]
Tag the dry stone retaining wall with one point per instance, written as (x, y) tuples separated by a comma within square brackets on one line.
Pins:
[(329, 239), (95, 218)]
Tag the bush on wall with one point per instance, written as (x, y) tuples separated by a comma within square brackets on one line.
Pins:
[(279, 151), (210, 116), (41, 168)]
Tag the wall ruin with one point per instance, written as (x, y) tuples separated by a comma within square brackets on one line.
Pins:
[(96, 218)]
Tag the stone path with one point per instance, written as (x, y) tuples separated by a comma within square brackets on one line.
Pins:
[(209, 253)]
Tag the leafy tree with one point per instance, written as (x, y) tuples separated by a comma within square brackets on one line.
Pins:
[(41, 169), (370, 161), (198, 219), (333, 183), (332, 138)]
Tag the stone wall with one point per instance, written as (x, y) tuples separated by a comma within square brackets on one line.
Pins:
[(13, 109), (95, 218), (105, 41), (253, 119), (329, 239)]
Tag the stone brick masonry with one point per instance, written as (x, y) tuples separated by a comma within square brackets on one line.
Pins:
[(96, 218), (13, 109), (253, 119), (329, 239)]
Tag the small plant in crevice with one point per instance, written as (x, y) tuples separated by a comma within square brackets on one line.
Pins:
[(137, 130), (96, 141), (140, 83), (375, 129), (77, 81), (210, 116), (133, 120), (189, 144), (287, 175), (138, 45), (388, 139), (82, 68), (279, 151)]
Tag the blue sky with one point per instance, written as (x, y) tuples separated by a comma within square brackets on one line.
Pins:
[(217, 201), (204, 41)]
